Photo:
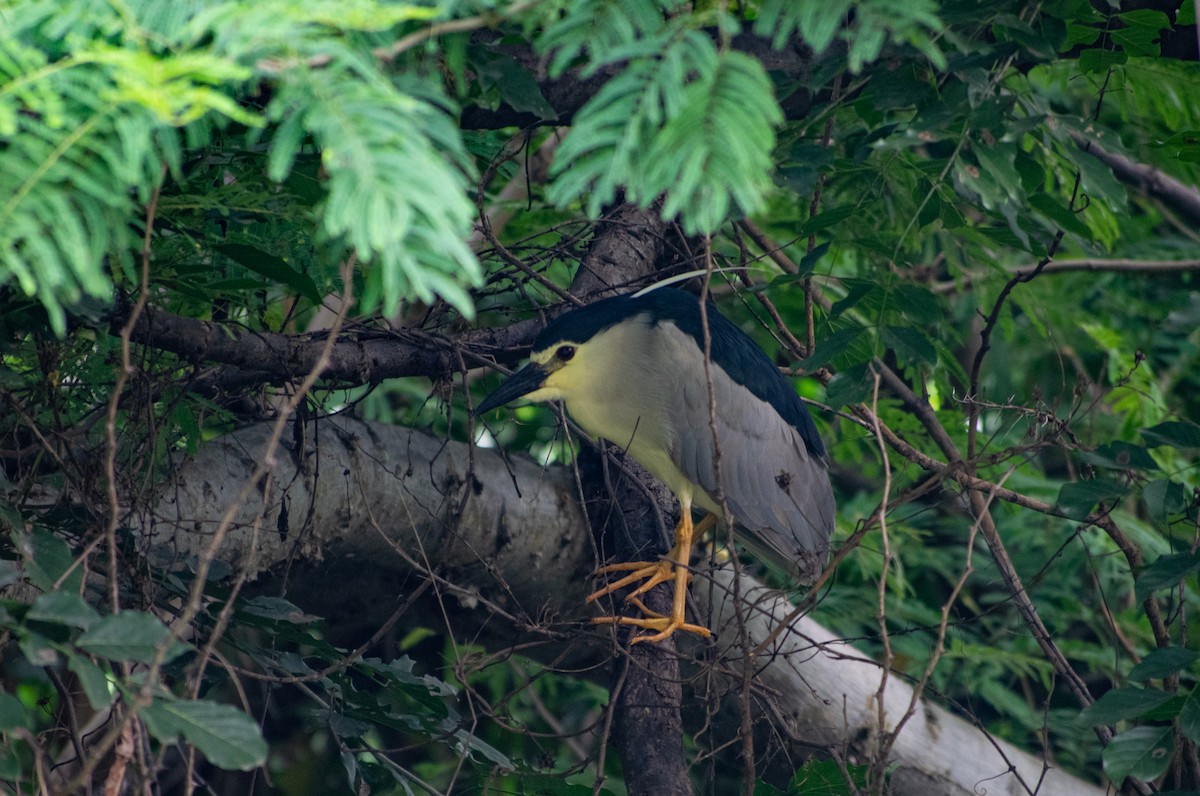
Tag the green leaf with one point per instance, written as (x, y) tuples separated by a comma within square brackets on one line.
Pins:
[(515, 83), (470, 743), (1120, 456), (128, 636), (1177, 434), (396, 177), (826, 219), (1166, 572), (827, 778), (1101, 60), (998, 164), (47, 560), (831, 347), (852, 385), (809, 261), (1123, 703), (1142, 753), (684, 120), (222, 733), (1189, 714), (1077, 498), (816, 23), (1163, 498), (910, 345), (279, 609), (1163, 662), (63, 608), (92, 679), (12, 713), (271, 267), (856, 291), (1060, 214), (38, 650)]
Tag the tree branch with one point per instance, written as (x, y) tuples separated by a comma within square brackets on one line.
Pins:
[(511, 550), (1116, 265), (1183, 198)]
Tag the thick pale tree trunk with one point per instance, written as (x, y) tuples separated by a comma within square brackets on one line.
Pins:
[(511, 550)]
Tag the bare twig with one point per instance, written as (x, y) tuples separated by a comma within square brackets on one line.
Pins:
[(1084, 264), (110, 424), (486, 20), (884, 737)]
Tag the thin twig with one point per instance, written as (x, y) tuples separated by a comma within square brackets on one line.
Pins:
[(884, 737), (110, 424), (486, 20)]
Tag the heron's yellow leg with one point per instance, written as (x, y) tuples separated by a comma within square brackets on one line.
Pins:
[(672, 568)]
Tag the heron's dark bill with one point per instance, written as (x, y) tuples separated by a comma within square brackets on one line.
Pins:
[(524, 381)]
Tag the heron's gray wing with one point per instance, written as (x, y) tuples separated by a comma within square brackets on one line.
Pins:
[(779, 494)]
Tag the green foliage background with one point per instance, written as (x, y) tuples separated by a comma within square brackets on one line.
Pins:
[(938, 150)]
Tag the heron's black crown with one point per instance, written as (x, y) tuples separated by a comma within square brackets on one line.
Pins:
[(732, 349)]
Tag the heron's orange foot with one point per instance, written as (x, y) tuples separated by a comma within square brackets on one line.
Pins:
[(663, 625), (653, 573)]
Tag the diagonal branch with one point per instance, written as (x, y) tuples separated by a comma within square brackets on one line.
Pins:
[(1177, 195), (515, 554)]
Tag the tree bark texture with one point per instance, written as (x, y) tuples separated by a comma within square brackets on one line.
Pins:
[(630, 512), (508, 542)]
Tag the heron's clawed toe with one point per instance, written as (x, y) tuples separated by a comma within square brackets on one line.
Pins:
[(652, 573), (663, 626)]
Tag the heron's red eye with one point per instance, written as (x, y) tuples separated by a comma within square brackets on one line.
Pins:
[(564, 353)]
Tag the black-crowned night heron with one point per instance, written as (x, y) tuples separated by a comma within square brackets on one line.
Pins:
[(631, 369)]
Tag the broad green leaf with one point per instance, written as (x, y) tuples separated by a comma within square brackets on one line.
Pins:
[(92, 679), (1163, 662), (1123, 703), (1077, 498), (277, 608), (1100, 59), (1189, 715), (10, 762), (809, 261), (471, 743), (555, 785), (827, 778), (1165, 572), (832, 347), (348, 727), (273, 268), (1060, 214), (48, 559), (1177, 434), (852, 385), (1142, 753), (911, 346), (222, 733), (12, 713), (1121, 456), (857, 290), (826, 219), (1163, 498), (128, 636), (63, 608), (402, 670)]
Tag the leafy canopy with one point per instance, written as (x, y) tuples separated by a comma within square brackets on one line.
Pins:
[(897, 172)]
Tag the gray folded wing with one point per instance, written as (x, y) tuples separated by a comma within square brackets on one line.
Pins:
[(779, 494)]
